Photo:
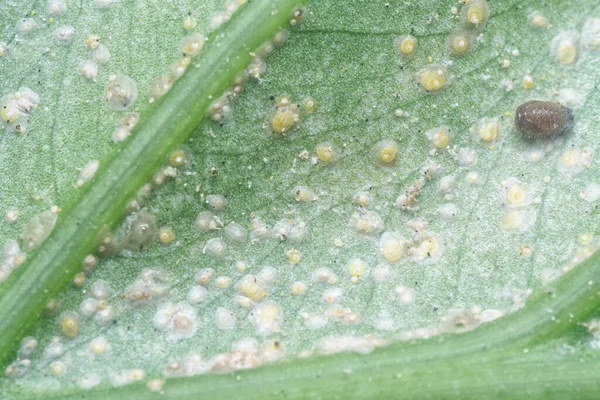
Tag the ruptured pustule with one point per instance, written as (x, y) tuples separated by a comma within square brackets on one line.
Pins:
[(141, 231), (538, 119), (191, 45), (120, 92)]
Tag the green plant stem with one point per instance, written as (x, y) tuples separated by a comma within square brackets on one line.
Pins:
[(509, 358), (167, 124), (382, 375)]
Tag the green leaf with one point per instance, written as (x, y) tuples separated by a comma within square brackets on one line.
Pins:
[(343, 57)]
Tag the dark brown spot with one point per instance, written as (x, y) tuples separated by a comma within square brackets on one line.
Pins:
[(543, 119)]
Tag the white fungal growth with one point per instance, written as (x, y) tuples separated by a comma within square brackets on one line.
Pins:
[(28, 346), (324, 275), (223, 282), (100, 289), (282, 229), (569, 97), (590, 34), (535, 153), (573, 161), (405, 295), (26, 26), (302, 193), (16, 108), (54, 349), (591, 193), (160, 87), (207, 221), (220, 108), (102, 4), (120, 92), (235, 232), (56, 8), (17, 368), (120, 134), (298, 232), (141, 231), (266, 317), (267, 276), (259, 231), (362, 199), (88, 307), (225, 319), (314, 321), (216, 202), (189, 23), (215, 247), (204, 276), (11, 215), (88, 381), (191, 45), (64, 34), (99, 345), (357, 344), (197, 295), (486, 131), (87, 173), (368, 223), (179, 321), (331, 295), (382, 273), (100, 54), (12, 258), (150, 285), (519, 220), (298, 288), (448, 211), (538, 20), (565, 47), (37, 229), (89, 69), (446, 184)]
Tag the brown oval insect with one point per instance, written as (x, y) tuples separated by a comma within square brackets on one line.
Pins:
[(543, 119)]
